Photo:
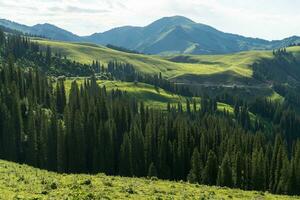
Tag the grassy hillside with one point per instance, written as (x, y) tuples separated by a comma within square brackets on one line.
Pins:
[(200, 65), (234, 65), (24, 182)]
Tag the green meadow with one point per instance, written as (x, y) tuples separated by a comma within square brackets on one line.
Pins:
[(25, 182)]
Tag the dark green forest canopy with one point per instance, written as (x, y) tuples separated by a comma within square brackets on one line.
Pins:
[(96, 131)]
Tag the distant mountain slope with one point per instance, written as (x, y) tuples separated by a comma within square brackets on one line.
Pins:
[(46, 30), (177, 35), (168, 35)]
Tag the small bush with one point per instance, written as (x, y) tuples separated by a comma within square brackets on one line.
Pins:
[(90, 196), (86, 182), (44, 192), (129, 190), (107, 183), (53, 186)]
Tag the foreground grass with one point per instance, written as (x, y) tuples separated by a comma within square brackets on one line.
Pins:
[(24, 182)]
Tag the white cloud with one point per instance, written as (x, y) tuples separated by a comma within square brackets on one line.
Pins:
[(271, 19)]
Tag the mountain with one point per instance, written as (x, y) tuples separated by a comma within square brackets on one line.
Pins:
[(168, 35), (180, 35), (46, 30)]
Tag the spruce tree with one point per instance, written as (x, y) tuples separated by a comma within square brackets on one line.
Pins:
[(31, 151), (137, 149), (225, 173), (48, 56), (195, 172), (152, 170), (61, 147), (258, 172), (2, 38), (210, 171), (125, 157)]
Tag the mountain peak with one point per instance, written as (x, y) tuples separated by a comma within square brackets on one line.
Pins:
[(46, 25), (173, 20)]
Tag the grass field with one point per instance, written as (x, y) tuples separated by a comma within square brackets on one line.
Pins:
[(24, 182), (202, 64)]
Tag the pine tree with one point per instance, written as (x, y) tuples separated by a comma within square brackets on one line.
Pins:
[(2, 38), (210, 171), (48, 56), (225, 173), (195, 172), (283, 186), (152, 170), (125, 157), (60, 97), (79, 149), (31, 150), (137, 149), (238, 170), (61, 147), (275, 163), (258, 172), (52, 144), (163, 154)]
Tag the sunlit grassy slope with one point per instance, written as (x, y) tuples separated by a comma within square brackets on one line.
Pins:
[(205, 65), (24, 182), (156, 98)]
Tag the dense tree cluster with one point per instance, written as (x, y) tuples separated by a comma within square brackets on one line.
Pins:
[(282, 68), (27, 53), (126, 72), (122, 49), (294, 44), (95, 131)]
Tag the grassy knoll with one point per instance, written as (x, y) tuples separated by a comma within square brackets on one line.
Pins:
[(24, 182)]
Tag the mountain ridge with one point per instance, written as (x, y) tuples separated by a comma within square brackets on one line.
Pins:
[(167, 35)]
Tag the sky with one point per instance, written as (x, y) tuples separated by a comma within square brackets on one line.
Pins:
[(267, 19)]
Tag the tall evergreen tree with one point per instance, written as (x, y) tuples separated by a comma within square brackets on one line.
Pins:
[(210, 171), (225, 172), (125, 157), (195, 172)]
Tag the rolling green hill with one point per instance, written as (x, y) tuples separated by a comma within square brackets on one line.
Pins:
[(24, 182), (170, 66), (86, 53)]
